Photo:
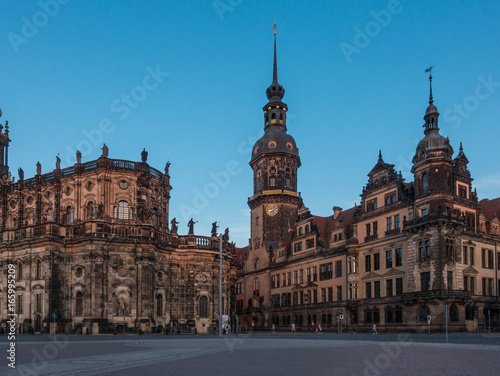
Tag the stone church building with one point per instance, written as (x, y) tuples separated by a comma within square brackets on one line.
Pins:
[(410, 253), (92, 247)]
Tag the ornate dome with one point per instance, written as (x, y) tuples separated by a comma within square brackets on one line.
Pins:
[(275, 140)]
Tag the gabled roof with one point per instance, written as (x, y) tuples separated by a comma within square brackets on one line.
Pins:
[(241, 253), (328, 224), (490, 208), (381, 165)]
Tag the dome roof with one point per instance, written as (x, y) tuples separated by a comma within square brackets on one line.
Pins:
[(433, 141), (431, 110), (275, 140)]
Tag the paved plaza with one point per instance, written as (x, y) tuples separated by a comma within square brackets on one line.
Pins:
[(256, 354)]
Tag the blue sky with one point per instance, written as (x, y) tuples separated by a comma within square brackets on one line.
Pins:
[(76, 74)]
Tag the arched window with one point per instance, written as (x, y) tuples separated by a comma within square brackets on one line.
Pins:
[(20, 272), (257, 263), (425, 183), (155, 217), (454, 313), (79, 304), (159, 305), (281, 116), (273, 170), (423, 312), (69, 215), (123, 211), (273, 116), (38, 270), (90, 210), (307, 229), (203, 306), (301, 231)]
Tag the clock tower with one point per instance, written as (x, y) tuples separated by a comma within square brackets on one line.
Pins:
[(275, 160)]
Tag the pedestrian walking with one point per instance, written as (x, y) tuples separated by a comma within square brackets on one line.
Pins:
[(320, 328), (293, 328), (354, 331), (274, 328), (374, 329)]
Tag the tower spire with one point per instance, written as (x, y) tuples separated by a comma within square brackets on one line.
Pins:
[(275, 67), (431, 100)]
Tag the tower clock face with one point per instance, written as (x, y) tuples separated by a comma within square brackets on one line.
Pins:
[(272, 210)]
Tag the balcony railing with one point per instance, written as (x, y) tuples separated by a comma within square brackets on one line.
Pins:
[(437, 294), (392, 232), (369, 238)]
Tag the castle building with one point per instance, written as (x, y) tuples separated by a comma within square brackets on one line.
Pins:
[(410, 253), (92, 248)]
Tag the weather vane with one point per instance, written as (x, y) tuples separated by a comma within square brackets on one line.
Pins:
[(274, 27), (429, 69)]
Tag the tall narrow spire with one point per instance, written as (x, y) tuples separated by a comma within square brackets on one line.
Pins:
[(431, 101), (275, 91), (275, 67)]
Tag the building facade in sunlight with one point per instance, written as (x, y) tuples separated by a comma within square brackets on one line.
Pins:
[(410, 255), (92, 246)]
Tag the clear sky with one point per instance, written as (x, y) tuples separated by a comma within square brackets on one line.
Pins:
[(186, 80)]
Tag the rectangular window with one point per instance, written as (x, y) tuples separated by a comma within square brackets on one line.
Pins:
[(323, 295), (295, 298), (368, 263), (272, 182), (284, 279), (301, 276), (339, 292), (466, 283), (368, 229), (399, 257), (424, 248), (296, 277), (425, 281), (388, 287), (338, 269), (298, 247), (465, 255), (368, 290), (326, 271), (315, 273), (19, 304), (273, 281), (376, 286), (330, 294), (38, 305), (449, 280), (396, 221), (424, 212), (308, 272), (353, 290), (490, 259), (388, 259), (375, 228), (389, 223), (472, 281), (315, 296), (277, 280), (376, 261), (289, 278), (471, 255), (399, 286)]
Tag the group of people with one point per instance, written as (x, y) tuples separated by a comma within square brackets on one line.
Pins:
[(226, 329)]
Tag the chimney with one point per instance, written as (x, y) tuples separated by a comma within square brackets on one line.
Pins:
[(336, 211)]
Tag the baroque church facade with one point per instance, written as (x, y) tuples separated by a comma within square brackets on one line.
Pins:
[(93, 251), (412, 254)]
